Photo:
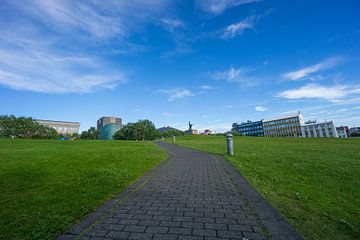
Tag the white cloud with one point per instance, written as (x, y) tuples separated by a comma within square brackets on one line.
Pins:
[(176, 93), (236, 29), (235, 75), (228, 106), (260, 109), (171, 24), (231, 75), (42, 44), (207, 87), (304, 72), (204, 116), (51, 72), (315, 91), (219, 6), (99, 19)]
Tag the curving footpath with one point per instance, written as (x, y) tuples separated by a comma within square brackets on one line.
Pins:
[(192, 195)]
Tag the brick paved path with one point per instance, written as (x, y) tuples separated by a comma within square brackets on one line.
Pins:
[(194, 195)]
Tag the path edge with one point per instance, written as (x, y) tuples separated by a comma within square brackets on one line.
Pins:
[(277, 226), (108, 206)]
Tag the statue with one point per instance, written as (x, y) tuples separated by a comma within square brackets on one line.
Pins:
[(190, 126)]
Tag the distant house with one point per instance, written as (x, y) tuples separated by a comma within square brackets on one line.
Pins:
[(343, 131), (206, 132), (167, 129)]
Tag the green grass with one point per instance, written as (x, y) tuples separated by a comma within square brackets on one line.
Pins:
[(314, 183), (46, 185)]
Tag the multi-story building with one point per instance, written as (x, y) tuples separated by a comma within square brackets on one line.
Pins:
[(354, 131), (249, 128), (343, 131), (108, 126), (319, 130), (61, 127), (107, 120), (284, 127)]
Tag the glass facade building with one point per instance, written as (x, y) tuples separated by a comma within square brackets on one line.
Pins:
[(107, 132), (108, 126), (284, 127), (249, 128)]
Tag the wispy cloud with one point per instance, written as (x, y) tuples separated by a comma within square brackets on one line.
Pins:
[(42, 44), (171, 24), (207, 87), (228, 106), (176, 93), (235, 75), (219, 6), (51, 72), (315, 91), (305, 72), (260, 109), (236, 29)]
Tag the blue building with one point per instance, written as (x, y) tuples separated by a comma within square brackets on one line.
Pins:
[(249, 128), (108, 126)]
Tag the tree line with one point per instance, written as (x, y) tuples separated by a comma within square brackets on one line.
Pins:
[(27, 127)]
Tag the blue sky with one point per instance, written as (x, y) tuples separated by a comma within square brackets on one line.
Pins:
[(213, 62)]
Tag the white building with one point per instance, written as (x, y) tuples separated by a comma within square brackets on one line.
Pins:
[(319, 130), (61, 126)]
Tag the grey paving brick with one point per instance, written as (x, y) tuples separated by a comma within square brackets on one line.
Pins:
[(170, 224), (165, 237), (180, 231), (204, 232), (117, 234), (157, 229), (216, 226), (190, 238), (141, 236), (134, 228), (192, 225), (189, 197), (149, 223), (230, 234)]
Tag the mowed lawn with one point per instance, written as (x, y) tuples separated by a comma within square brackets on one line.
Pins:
[(314, 183), (46, 185)]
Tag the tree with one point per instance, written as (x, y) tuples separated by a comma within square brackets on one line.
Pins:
[(91, 134), (171, 133), (141, 130), (24, 127)]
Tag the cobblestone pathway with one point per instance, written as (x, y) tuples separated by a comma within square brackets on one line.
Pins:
[(191, 196)]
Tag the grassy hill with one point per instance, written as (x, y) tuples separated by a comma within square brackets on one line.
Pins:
[(314, 183), (46, 185)]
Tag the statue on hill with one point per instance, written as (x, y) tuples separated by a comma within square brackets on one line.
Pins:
[(190, 126)]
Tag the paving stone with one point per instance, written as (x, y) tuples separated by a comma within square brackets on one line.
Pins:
[(165, 237), (141, 236), (204, 232), (189, 197), (157, 229), (192, 225), (180, 231), (117, 234)]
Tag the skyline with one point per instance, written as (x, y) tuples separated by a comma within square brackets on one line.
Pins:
[(211, 62)]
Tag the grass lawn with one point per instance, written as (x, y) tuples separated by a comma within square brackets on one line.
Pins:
[(47, 185), (314, 183)]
